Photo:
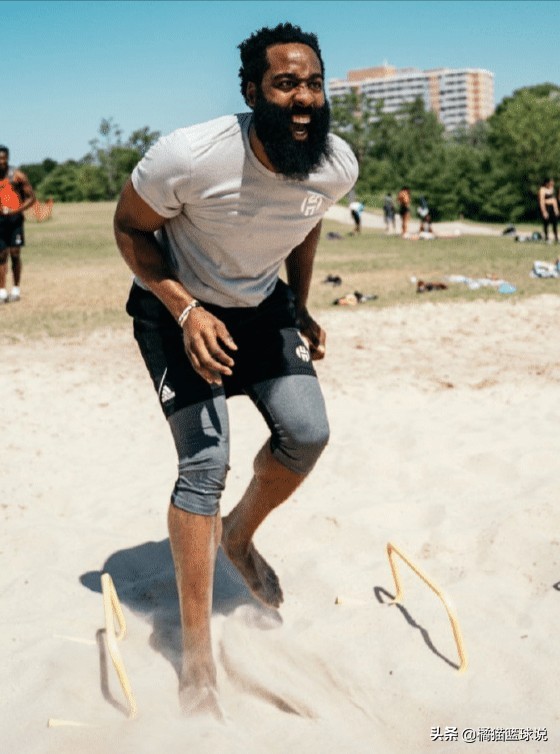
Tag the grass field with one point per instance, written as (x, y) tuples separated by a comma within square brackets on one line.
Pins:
[(75, 281)]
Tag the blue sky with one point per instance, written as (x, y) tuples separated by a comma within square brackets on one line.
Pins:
[(164, 64)]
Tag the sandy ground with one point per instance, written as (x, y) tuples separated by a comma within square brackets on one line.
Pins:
[(444, 441)]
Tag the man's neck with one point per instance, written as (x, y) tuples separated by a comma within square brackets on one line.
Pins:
[(259, 150)]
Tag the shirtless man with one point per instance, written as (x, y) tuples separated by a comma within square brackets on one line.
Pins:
[(16, 195), (206, 222)]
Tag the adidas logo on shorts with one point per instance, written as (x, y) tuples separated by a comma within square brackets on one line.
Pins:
[(167, 394)]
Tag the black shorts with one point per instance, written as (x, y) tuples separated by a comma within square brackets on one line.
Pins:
[(11, 232), (268, 340)]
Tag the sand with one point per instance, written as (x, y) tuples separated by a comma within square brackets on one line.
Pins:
[(444, 423)]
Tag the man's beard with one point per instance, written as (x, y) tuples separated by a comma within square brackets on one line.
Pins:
[(294, 159)]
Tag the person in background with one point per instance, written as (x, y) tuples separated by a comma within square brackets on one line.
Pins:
[(548, 206), (389, 213), (356, 209), (425, 216), (403, 199), (16, 195)]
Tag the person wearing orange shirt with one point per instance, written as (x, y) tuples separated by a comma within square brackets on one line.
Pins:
[(16, 195)]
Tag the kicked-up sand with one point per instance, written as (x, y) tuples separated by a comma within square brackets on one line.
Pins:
[(445, 437)]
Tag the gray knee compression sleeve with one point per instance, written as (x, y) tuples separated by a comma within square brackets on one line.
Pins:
[(201, 435), (294, 409)]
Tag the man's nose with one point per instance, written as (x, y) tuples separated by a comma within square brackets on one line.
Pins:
[(303, 95)]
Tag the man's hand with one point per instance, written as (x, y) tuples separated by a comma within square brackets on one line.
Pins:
[(203, 338), (313, 333)]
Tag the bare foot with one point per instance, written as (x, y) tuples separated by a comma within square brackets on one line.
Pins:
[(258, 575), (200, 700), (197, 689)]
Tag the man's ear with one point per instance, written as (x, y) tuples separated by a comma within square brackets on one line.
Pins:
[(251, 93)]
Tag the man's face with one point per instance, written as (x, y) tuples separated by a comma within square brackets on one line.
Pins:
[(3, 163), (291, 115)]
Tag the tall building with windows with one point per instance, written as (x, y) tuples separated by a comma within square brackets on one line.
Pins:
[(459, 97)]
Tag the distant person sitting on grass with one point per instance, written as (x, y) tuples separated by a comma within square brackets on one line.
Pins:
[(425, 216), (16, 195), (548, 205)]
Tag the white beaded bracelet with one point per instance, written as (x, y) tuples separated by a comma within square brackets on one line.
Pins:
[(182, 318)]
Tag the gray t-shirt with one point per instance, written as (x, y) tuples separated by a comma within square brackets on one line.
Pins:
[(231, 222)]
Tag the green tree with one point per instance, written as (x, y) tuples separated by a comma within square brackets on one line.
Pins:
[(100, 174), (36, 172), (418, 142), (103, 155), (62, 183), (91, 184), (115, 158), (524, 141), (74, 182), (489, 171), (349, 119), (142, 139), (393, 149)]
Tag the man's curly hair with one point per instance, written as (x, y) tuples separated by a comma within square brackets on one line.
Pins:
[(254, 62)]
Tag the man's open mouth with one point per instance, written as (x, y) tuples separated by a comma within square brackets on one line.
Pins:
[(300, 125)]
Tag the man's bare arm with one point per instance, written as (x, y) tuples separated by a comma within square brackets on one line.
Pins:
[(28, 193), (542, 203), (135, 223), (299, 268)]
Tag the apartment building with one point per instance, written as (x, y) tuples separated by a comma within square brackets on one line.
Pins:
[(459, 97)]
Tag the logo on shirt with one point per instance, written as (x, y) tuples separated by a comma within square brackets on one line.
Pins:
[(311, 204)]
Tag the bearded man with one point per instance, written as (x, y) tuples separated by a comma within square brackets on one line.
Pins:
[(206, 222)]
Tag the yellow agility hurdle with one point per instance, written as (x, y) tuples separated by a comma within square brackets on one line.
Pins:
[(112, 608), (392, 550)]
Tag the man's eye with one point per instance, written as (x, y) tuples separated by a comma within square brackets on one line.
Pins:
[(286, 85)]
